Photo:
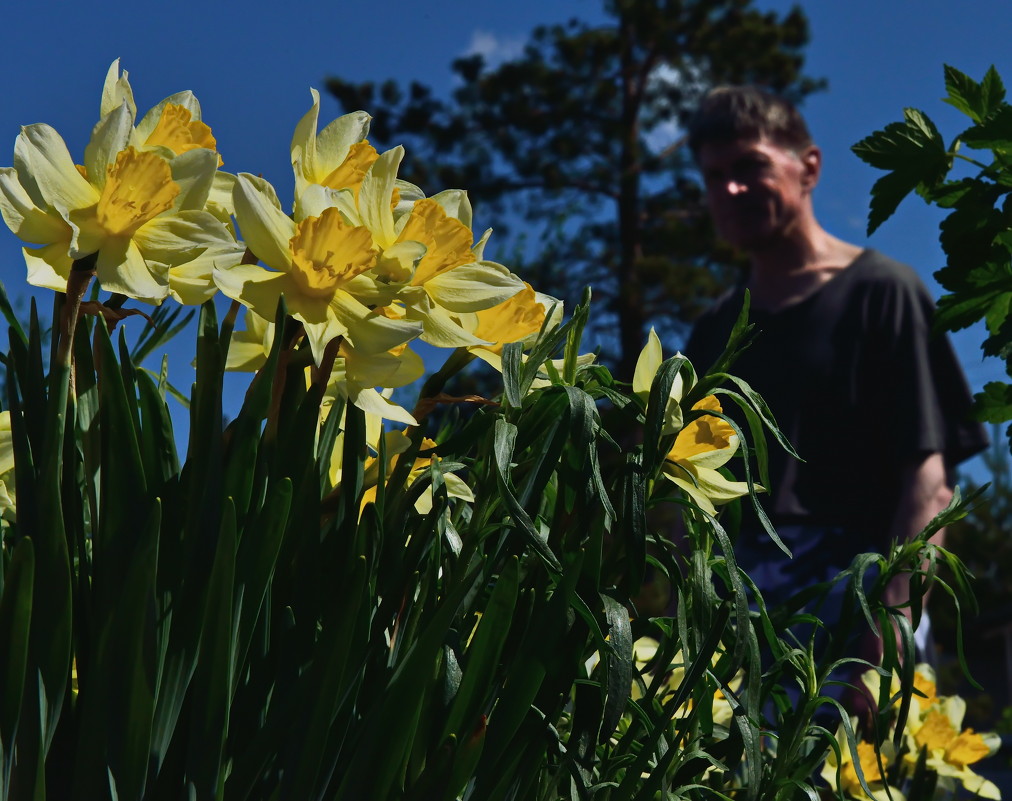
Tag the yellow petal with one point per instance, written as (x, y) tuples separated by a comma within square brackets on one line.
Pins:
[(704, 434), (326, 253), (138, 188), (448, 241), (517, 318), (179, 132)]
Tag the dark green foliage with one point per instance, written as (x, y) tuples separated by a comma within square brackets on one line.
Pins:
[(975, 235), (568, 135)]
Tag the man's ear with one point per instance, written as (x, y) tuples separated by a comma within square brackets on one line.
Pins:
[(811, 161)]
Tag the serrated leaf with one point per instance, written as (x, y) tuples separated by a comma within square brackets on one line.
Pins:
[(993, 132), (886, 195), (994, 404)]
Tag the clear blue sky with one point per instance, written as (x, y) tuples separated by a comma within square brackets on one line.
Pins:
[(251, 65)]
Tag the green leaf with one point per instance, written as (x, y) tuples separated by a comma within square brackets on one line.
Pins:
[(992, 133), (914, 153), (994, 404), (211, 688), (482, 657), (976, 100), (505, 441), (15, 626)]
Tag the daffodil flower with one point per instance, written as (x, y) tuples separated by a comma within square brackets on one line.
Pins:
[(396, 444), (8, 502), (647, 365), (355, 376), (140, 209), (951, 749), (321, 263), (701, 447), (840, 773)]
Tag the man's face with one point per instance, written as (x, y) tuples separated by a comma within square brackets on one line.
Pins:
[(756, 190)]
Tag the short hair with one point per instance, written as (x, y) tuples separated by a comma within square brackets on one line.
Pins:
[(733, 113)]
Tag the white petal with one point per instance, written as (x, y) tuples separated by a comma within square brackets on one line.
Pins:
[(177, 238), (150, 120), (473, 287), (368, 331), (46, 156), (442, 330), (265, 228), (253, 286), (647, 364), (334, 141), (194, 171), (28, 222), (117, 92), (369, 400), (121, 268), (108, 138), (316, 199), (455, 204), (375, 194), (48, 267), (303, 145)]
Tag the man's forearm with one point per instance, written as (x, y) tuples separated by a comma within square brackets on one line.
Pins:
[(925, 493)]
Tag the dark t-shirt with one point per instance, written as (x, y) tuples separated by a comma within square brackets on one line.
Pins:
[(860, 387)]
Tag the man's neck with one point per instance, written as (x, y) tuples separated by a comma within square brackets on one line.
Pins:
[(796, 267)]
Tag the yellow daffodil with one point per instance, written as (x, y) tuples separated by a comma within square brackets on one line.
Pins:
[(320, 262), (841, 773), (951, 749), (8, 502), (355, 376), (701, 447), (924, 683), (396, 443), (140, 207), (647, 365)]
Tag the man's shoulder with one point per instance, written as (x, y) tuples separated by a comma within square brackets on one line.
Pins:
[(875, 268)]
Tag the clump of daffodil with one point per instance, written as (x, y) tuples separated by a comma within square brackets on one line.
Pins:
[(840, 772), (428, 260), (354, 376), (138, 203), (8, 502), (365, 256)]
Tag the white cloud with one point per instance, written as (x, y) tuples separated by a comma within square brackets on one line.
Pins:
[(494, 49)]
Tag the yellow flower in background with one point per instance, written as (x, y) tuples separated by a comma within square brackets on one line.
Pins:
[(701, 447), (8, 502), (140, 209), (841, 773), (951, 749), (396, 444)]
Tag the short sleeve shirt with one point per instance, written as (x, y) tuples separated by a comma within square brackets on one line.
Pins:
[(859, 385)]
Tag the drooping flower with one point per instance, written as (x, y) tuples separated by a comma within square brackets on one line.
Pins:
[(140, 209), (701, 447)]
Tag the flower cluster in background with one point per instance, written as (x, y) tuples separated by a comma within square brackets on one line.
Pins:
[(933, 734)]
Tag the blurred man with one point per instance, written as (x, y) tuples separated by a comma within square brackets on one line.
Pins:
[(875, 405)]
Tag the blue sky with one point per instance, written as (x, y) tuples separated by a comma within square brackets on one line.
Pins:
[(251, 65)]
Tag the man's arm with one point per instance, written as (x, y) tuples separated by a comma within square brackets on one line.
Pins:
[(925, 492)]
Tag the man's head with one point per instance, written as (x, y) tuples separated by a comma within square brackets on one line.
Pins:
[(759, 166)]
